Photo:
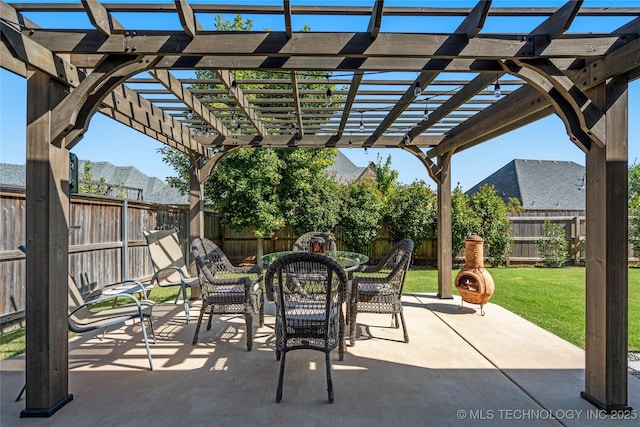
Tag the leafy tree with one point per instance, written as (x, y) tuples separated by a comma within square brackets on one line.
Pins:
[(634, 179), (489, 208), (552, 245), (362, 214), (514, 205), (463, 222), (386, 177), (634, 222), (412, 212), (246, 187), (309, 198)]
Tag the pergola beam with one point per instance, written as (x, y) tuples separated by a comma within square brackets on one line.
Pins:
[(73, 113), (331, 9), (529, 106), (277, 46), (577, 111), (471, 26), (474, 21), (344, 141), (423, 80)]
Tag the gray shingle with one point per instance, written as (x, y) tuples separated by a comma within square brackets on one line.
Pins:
[(153, 189), (539, 184), (343, 170), (12, 175)]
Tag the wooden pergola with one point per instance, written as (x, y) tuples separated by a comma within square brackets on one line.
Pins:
[(379, 85)]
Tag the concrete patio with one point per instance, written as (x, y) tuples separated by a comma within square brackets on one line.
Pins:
[(460, 368)]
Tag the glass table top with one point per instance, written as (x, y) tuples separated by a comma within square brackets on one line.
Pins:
[(345, 258)]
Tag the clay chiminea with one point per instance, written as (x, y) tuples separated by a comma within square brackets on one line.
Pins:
[(474, 283)]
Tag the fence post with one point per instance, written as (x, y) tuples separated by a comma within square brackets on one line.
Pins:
[(124, 218), (576, 240)]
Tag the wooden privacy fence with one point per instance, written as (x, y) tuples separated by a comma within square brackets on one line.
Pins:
[(106, 242), (526, 230)]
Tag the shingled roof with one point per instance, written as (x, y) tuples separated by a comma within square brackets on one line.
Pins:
[(344, 171), (540, 184), (154, 190)]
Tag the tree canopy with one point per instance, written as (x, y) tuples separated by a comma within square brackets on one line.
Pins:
[(412, 212)]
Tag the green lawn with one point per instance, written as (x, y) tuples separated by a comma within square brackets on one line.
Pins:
[(549, 297)]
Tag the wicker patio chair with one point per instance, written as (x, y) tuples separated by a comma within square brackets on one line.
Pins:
[(302, 243), (309, 291), (378, 288), (227, 289), (82, 317), (168, 263)]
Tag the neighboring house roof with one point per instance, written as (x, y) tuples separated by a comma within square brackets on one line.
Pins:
[(540, 184), (153, 189), (344, 171), (13, 175)]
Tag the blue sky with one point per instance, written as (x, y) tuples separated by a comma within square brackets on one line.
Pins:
[(107, 140)]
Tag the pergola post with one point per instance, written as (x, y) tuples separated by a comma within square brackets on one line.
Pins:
[(445, 260), (47, 262), (606, 363), (196, 214)]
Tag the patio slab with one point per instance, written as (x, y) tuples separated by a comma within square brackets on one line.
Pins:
[(460, 368)]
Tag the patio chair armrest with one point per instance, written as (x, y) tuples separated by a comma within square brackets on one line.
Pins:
[(368, 268), (96, 293), (162, 270), (372, 280), (248, 269), (88, 304), (140, 287), (232, 281)]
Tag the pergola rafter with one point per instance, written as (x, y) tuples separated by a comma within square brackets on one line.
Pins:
[(74, 72)]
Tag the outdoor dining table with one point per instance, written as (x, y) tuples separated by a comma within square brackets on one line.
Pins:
[(347, 260)]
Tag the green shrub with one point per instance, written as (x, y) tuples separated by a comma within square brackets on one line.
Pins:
[(362, 214), (412, 213), (552, 245)]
